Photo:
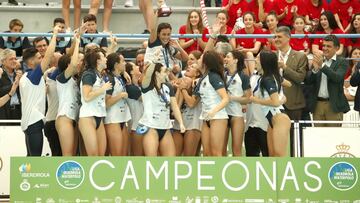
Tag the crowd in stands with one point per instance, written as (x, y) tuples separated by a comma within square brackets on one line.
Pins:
[(178, 95)]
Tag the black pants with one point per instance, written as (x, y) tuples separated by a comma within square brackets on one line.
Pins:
[(53, 138), (217, 3), (34, 138), (256, 142), (14, 112)]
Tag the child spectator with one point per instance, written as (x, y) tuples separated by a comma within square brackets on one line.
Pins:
[(300, 44), (18, 44), (288, 10), (266, 7), (91, 28), (313, 10), (237, 8), (62, 43)]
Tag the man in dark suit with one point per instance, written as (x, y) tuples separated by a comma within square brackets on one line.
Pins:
[(10, 74), (293, 65), (328, 101)]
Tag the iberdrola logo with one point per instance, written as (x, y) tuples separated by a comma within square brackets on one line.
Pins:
[(25, 168)]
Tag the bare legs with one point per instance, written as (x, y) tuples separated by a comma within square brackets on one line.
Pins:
[(94, 8), (94, 139), (213, 138), (66, 13)]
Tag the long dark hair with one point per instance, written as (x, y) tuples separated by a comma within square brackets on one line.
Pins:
[(160, 27), (269, 64), (214, 63), (91, 57), (128, 68), (352, 29), (64, 62), (153, 81), (241, 60), (112, 59), (330, 18), (351, 63)]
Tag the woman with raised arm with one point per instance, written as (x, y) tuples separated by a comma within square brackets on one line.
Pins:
[(134, 101), (161, 48), (69, 105), (155, 124), (93, 89)]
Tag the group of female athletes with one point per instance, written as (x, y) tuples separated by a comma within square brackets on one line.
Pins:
[(119, 110)]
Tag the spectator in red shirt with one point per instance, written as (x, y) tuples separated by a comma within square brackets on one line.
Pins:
[(288, 10), (265, 7), (343, 11), (327, 25), (300, 44), (313, 10), (354, 29), (237, 8), (222, 17), (355, 55), (327, 5), (272, 24), (246, 45), (193, 25)]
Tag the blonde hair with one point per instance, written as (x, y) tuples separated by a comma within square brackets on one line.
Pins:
[(6, 53)]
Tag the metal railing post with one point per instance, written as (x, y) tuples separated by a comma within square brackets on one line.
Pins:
[(296, 138)]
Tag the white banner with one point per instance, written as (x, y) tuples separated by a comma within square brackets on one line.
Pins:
[(12, 143), (331, 142)]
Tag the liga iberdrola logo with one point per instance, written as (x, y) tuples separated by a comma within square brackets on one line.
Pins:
[(343, 176), (70, 175)]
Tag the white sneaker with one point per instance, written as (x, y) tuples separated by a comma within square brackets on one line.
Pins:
[(129, 3)]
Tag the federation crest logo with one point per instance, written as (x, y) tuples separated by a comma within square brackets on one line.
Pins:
[(343, 152)]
